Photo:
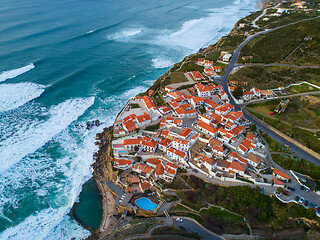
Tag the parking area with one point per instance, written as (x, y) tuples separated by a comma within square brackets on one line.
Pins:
[(301, 195)]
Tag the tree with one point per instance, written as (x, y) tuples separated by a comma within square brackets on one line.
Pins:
[(253, 127), (238, 92)]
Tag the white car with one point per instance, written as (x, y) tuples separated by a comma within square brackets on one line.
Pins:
[(301, 200), (179, 219)]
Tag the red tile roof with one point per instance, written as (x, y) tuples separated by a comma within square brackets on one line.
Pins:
[(235, 165), (281, 174), (185, 132)]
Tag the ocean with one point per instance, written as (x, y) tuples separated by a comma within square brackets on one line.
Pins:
[(65, 62)]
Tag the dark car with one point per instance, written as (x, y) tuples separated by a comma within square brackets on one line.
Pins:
[(286, 192), (311, 205), (306, 203), (195, 170), (291, 189), (302, 187), (318, 210), (297, 198)]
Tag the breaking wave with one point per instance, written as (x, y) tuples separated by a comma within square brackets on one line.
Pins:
[(30, 136), (5, 75), (15, 95), (161, 63)]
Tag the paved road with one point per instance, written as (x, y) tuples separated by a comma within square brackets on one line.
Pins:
[(190, 225), (273, 64), (224, 80), (280, 97)]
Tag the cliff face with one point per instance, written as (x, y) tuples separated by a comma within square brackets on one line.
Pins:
[(104, 157)]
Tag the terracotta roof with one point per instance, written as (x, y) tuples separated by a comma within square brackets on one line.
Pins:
[(132, 141), (165, 142), (223, 164), (145, 185), (171, 165), (197, 75), (235, 155), (225, 107), (133, 179), (144, 117), (122, 162), (278, 182), (177, 152), (164, 133), (185, 132), (238, 129), (159, 170), (181, 141), (211, 103), (152, 143), (153, 161), (197, 99), (235, 165), (215, 142), (281, 174), (130, 126), (207, 127), (255, 158), (139, 166), (170, 171), (147, 169)]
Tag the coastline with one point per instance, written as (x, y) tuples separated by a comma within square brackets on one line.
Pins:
[(103, 168)]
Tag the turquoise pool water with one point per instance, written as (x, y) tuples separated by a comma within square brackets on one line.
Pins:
[(145, 204)]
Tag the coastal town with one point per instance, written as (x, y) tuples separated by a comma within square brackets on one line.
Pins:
[(199, 128)]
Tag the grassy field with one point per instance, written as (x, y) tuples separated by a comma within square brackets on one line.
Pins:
[(301, 111), (295, 43), (307, 138), (269, 77), (285, 18), (132, 228), (262, 211)]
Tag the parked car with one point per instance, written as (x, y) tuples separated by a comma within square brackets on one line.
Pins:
[(195, 170), (297, 198), (286, 192), (315, 207), (318, 210), (306, 203), (311, 205), (179, 219), (302, 187), (306, 189), (291, 189), (301, 200)]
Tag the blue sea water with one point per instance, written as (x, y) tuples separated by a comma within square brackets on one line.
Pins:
[(65, 62)]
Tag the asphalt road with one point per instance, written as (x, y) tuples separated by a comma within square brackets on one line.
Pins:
[(224, 81), (190, 225)]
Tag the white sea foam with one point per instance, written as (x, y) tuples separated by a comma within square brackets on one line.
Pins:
[(161, 63), (91, 31), (5, 75), (39, 226), (41, 173), (237, 2), (125, 34), (15, 95), (32, 136)]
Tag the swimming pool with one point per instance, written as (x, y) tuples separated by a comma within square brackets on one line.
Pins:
[(145, 204)]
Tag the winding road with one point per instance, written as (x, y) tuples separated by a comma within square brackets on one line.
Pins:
[(224, 81)]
